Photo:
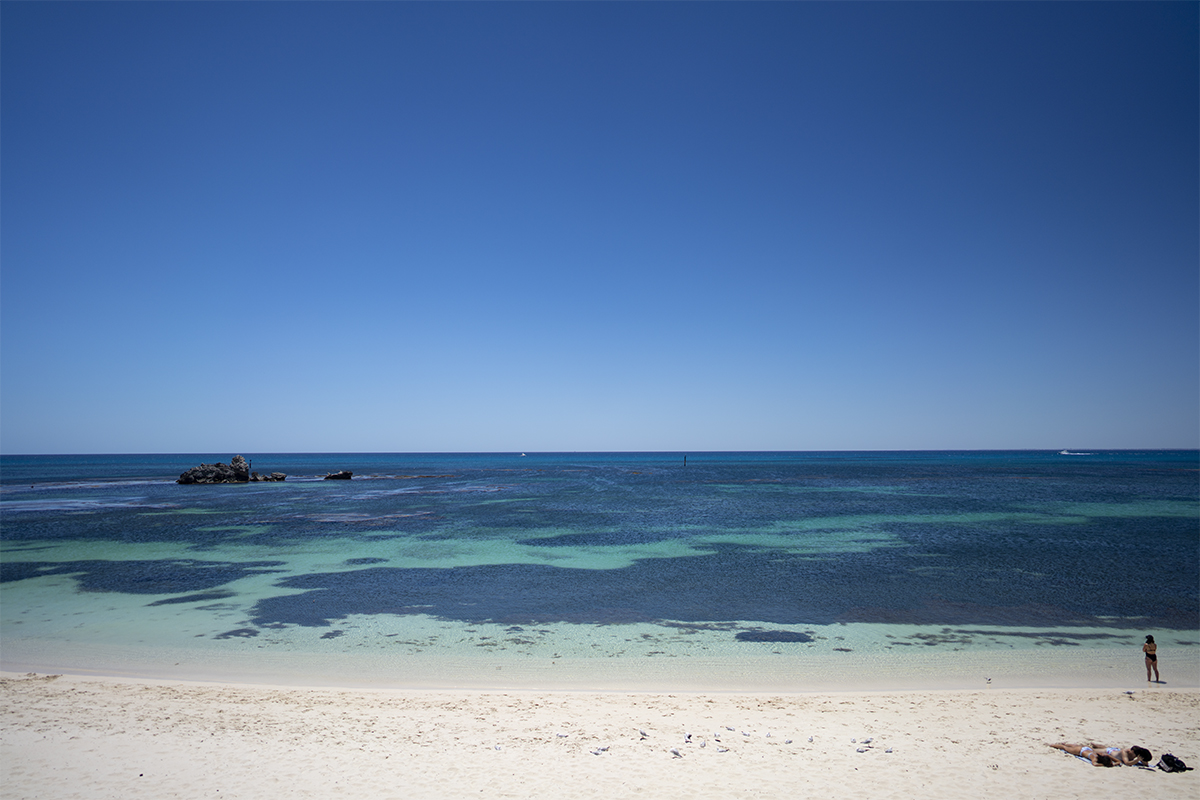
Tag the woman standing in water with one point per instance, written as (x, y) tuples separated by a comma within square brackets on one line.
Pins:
[(1151, 651)]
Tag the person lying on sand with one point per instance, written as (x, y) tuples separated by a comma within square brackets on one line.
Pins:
[(1087, 751), (1133, 756)]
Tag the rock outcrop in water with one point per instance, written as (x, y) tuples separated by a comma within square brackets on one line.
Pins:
[(343, 475), (236, 471)]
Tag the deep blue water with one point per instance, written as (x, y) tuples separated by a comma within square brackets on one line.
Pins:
[(1026, 539)]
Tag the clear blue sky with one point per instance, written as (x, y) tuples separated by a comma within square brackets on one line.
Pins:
[(270, 227)]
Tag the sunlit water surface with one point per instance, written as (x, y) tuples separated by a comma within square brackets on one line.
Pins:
[(771, 571)]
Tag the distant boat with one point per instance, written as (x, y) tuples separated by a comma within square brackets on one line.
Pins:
[(522, 455)]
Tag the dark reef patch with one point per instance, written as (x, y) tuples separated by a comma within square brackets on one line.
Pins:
[(621, 538), (360, 562), (164, 576), (693, 627), (702, 590), (1046, 634), (219, 594), (238, 633), (772, 636)]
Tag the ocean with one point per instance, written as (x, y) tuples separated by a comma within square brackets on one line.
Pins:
[(604, 570)]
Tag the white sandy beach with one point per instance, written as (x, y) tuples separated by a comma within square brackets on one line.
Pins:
[(99, 737)]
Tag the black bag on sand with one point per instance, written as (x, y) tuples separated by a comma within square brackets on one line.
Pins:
[(1169, 763)]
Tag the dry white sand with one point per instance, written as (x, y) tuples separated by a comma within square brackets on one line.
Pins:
[(70, 736)]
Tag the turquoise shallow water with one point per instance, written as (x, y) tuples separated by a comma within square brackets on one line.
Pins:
[(742, 567)]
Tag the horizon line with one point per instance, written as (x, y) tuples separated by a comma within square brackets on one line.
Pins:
[(1072, 451)]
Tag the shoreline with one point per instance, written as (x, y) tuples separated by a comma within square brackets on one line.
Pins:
[(925, 670), (83, 677), (98, 736)]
